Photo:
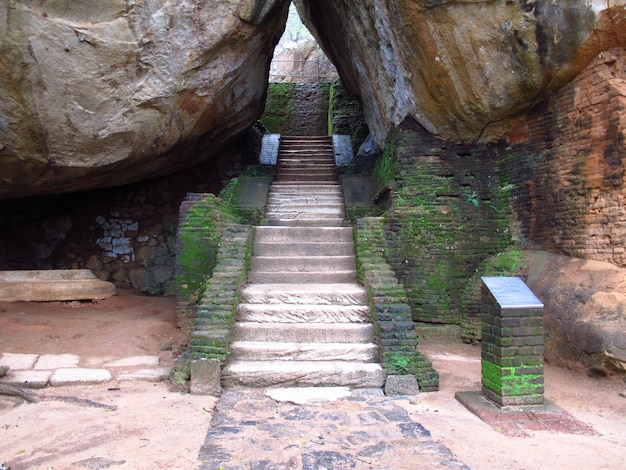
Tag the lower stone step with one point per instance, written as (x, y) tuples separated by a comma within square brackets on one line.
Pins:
[(311, 277), (282, 351), (299, 264), (303, 374), (303, 234), (294, 313), (302, 249), (314, 294), (300, 332), (278, 221)]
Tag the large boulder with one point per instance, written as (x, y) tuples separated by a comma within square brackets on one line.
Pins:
[(100, 93), (459, 68)]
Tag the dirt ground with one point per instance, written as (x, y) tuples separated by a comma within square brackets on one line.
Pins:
[(151, 427)]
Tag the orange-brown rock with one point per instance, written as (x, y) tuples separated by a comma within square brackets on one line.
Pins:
[(459, 68)]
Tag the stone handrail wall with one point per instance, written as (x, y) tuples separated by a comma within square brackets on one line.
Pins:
[(390, 311)]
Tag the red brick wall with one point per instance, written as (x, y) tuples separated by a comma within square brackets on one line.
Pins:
[(566, 162)]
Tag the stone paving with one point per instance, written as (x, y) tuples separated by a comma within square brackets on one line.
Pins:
[(39, 371), (333, 428)]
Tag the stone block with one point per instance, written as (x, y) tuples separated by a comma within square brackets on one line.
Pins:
[(18, 361), (206, 375), (79, 376), (56, 361), (401, 385)]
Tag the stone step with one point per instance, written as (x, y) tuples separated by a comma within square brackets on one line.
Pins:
[(277, 198), (300, 264), (320, 209), (282, 351), (302, 249), (305, 222), (312, 277), (316, 294), (310, 183), (318, 178), (303, 234), (295, 313), (301, 332), (305, 189), (303, 373)]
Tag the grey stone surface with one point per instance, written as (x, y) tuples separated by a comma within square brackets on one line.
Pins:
[(364, 430), (206, 377), (401, 385), (359, 191), (79, 376), (269, 149), (343, 150), (511, 292), (18, 361), (56, 361), (251, 191), (135, 361), (146, 375), (28, 378), (49, 285)]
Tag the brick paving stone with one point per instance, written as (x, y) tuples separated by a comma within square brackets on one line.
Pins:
[(250, 430)]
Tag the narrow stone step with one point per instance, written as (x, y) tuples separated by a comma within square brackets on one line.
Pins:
[(318, 177), (303, 373), (283, 351), (294, 313), (302, 263), (302, 249), (305, 222), (316, 294), (321, 209), (275, 199), (302, 189), (312, 277), (303, 234), (301, 332)]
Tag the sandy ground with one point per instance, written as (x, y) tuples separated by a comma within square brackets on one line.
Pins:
[(151, 427)]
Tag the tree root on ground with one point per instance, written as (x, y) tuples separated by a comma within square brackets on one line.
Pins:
[(34, 398)]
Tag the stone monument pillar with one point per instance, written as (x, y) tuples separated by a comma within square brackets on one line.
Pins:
[(512, 342)]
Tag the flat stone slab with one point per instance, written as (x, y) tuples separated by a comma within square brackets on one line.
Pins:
[(521, 421), (145, 375), (56, 361), (18, 361), (364, 430), (308, 395), (53, 285), (135, 361), (79, 376), (28, 378)]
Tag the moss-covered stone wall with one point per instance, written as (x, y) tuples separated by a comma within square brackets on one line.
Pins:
[(345, 115), (449, 212), (296, 108)]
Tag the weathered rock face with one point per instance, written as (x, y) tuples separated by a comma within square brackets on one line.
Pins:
[(459, 68), (104, 93)]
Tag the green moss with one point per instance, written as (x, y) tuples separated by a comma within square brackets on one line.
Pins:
[(279, 106)]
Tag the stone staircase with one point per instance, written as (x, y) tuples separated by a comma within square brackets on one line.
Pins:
[(303, 319)]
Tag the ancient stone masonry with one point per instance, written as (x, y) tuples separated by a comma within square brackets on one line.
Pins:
[(448, 213), (204, 218), (390, 310), (512, 342), (565, 166)]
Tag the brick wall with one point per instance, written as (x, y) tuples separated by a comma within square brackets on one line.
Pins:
[(449, 213), (566, 165)]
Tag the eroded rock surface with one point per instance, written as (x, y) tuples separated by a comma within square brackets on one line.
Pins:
[(584, 313), (459, 68), (104, 93)]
